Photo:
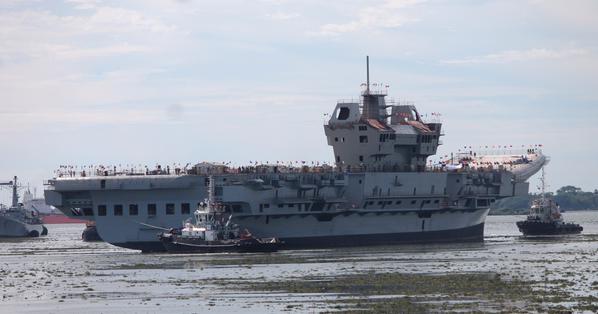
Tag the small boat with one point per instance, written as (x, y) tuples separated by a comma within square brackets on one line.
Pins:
[(545, 218), (212, 232)]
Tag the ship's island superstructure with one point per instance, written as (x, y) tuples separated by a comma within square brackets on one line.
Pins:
[(381, 189)]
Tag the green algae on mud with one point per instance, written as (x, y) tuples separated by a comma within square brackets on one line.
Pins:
[(387, 292)]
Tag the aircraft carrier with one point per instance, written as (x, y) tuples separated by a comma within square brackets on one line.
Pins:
[(381, 188)]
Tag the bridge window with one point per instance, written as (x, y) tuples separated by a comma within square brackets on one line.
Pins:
[(118, 210), (469, 203), (101, 210), (363, 128), (363, 139), (151, 209), (185, 209), (169, 209), (237, 208), (87, 212), (343, 113), (133, 210)]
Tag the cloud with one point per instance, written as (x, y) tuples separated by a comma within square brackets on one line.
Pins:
[(579, 14), (510, 56), (84, 4), (61, 51), (383, 16), (281, 16), (101, 20), (89, 33)]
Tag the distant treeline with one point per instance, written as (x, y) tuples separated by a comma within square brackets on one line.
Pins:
[(568, 197)]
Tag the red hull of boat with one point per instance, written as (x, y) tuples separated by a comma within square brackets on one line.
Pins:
[(60, 219)]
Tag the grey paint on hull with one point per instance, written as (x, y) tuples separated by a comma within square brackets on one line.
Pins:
[(14, 228), (468, 234)]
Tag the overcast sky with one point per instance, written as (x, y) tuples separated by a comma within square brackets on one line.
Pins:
[(122, 82)]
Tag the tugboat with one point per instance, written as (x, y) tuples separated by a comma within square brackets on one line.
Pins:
[(90, 233), (16, 221), (545, 218), (213, 232)]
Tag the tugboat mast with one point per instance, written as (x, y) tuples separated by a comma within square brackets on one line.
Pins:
[(543, 185)]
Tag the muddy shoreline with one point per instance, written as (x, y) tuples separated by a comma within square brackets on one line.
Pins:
[(506, 273)]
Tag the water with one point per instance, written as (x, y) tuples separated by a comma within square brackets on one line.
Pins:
[(60, 273)]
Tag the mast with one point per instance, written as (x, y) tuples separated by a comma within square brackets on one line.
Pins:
[(543, 185), (367, 69), (15, 195), (210, 190)]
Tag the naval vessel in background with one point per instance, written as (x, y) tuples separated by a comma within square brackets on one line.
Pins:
[(16, 220), (380, 190)]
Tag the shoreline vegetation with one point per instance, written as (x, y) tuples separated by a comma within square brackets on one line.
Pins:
[(569, 198)]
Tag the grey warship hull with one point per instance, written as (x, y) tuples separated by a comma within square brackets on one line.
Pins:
[(471, 230), (353, 229)]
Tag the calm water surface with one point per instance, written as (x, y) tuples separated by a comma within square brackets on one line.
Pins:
[(60, 273)]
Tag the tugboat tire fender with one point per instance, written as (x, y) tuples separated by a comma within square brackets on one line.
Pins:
[(34, 233)]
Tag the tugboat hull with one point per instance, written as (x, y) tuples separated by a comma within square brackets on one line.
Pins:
[(90, 234), (10, 227), (548, 228), (174, 244)]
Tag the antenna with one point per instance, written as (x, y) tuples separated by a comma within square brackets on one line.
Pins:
[(543, 182), (367, 67)]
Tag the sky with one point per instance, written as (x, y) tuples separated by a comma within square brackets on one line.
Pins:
[(86, 82)]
